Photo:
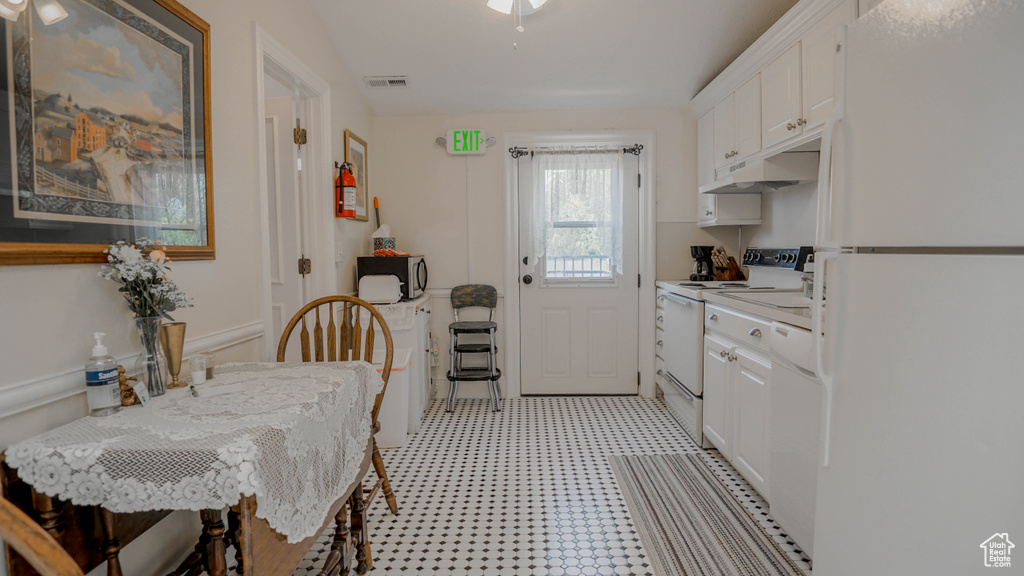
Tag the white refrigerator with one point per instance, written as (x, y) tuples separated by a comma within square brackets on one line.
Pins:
[(921, 311)]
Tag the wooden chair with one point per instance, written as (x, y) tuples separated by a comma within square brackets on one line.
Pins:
[(20, 532), (343, 343)]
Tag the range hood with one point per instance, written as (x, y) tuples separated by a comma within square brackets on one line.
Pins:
[(763, 174)]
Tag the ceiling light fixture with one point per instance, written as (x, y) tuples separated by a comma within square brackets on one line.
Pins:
[(10, 9), (517, 8), (50, 11)]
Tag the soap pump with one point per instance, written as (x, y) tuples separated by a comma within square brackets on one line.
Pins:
[(102, 390)]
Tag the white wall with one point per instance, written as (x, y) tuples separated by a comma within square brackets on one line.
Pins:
[(451, 208), (49, 312)]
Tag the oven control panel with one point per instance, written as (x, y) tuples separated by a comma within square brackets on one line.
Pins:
[(785, 258)]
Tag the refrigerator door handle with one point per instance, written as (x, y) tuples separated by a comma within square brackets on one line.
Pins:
[(821, 263), (823, 236)]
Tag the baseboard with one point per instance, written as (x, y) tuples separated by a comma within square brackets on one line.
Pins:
[(20, 396)]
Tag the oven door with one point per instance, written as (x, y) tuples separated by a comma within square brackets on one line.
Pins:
[(686, 408), (684, 341)]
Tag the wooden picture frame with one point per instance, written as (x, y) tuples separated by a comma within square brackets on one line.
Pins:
[(106, 140), (355, 154)]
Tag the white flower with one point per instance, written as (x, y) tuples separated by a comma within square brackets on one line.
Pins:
[(248, 481), (82, 457), (191, 493), (51, 475), (227, 484), (160, 497), (86, 488), (127, 493), (242, 450)]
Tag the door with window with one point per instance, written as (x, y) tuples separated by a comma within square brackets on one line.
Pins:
[(579, 271)]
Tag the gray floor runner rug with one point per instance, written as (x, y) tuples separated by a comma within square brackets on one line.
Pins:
[(689, 522)]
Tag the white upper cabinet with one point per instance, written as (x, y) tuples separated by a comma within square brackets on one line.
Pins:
[(822, 51), (725, 131), (781, 105), (748, 119), (705, 142)]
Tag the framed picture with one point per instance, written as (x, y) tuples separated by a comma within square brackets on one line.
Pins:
[(108, 123), (355, 154)]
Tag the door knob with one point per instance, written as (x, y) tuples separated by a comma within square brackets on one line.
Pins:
[(527, 279)]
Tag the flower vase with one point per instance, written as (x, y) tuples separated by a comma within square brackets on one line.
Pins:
[(149, 367)]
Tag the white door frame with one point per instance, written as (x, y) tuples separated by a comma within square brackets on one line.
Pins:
[(269, 54), (647, 237)]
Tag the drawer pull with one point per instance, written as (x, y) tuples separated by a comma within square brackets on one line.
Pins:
[(712, 317), (660, 343), (661, 372), (755, 332), (661, 319)]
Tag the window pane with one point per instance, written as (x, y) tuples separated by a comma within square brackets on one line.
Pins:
[(579, 253)]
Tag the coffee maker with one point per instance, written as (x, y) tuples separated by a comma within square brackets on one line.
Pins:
[(703, 267)]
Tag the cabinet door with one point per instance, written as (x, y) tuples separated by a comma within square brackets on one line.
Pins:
[(822, 50), (717, 404), (725, 131), (751, 385), (707, 208), (706, 149), (748, 118), (780, 98)]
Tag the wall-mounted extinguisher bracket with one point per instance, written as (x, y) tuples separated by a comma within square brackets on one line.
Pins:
[(344, 192)]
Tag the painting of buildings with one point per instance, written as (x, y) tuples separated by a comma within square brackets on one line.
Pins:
[(111, 118)]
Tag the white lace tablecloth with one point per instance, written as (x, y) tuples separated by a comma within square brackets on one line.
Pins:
[(292, 434)]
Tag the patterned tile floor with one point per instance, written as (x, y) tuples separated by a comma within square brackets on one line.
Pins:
[(527, 491)]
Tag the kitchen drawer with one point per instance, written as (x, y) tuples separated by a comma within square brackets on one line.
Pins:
[(751, 331)]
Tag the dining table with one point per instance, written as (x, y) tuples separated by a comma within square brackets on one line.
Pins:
[(282, 447)]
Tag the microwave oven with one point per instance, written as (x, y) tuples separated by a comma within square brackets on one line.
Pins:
[(411, 272)]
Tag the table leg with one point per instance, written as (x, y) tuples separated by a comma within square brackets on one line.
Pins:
[(111, 544), (51, 515), (246, 514), (359, 536), (216, 551), (232, 537)]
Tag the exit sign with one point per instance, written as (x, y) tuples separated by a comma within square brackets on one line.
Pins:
[(467, 142)]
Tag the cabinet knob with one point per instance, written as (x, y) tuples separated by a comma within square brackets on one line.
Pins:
[(661, 372), (723, 353), (755, 332), (707, 212), (660, 343), (790, 126), (661, 319), (801, 121), (732, 358), (712, 317)]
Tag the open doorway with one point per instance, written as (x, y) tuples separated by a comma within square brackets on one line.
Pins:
[(294, 170)]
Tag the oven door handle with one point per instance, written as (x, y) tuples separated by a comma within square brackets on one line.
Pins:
[(682, 300), (680, 385)]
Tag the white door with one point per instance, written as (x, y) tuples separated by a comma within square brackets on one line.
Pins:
[(287, 285), (579, 299)]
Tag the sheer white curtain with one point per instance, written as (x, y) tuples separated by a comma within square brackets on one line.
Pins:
[(577, 211)]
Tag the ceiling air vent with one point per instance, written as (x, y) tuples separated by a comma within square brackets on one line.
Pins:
[(386, 81)]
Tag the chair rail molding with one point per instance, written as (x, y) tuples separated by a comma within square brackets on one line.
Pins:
[(18, 397)]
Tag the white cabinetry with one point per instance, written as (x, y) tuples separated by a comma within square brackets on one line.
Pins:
[(728, 209), (748, 119), (725, 131), (717, 392), (706, 148), (780, 98), (822, 51), (737, 386)]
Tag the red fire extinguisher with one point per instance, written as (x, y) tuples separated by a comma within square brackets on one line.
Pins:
[(345, 193)]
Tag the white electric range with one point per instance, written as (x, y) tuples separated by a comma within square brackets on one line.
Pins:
[(680, 328)]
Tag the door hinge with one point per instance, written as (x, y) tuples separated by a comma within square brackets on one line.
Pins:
[(638, 280), (638, 181), (638, 379), (299, 133), (305, 266)]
